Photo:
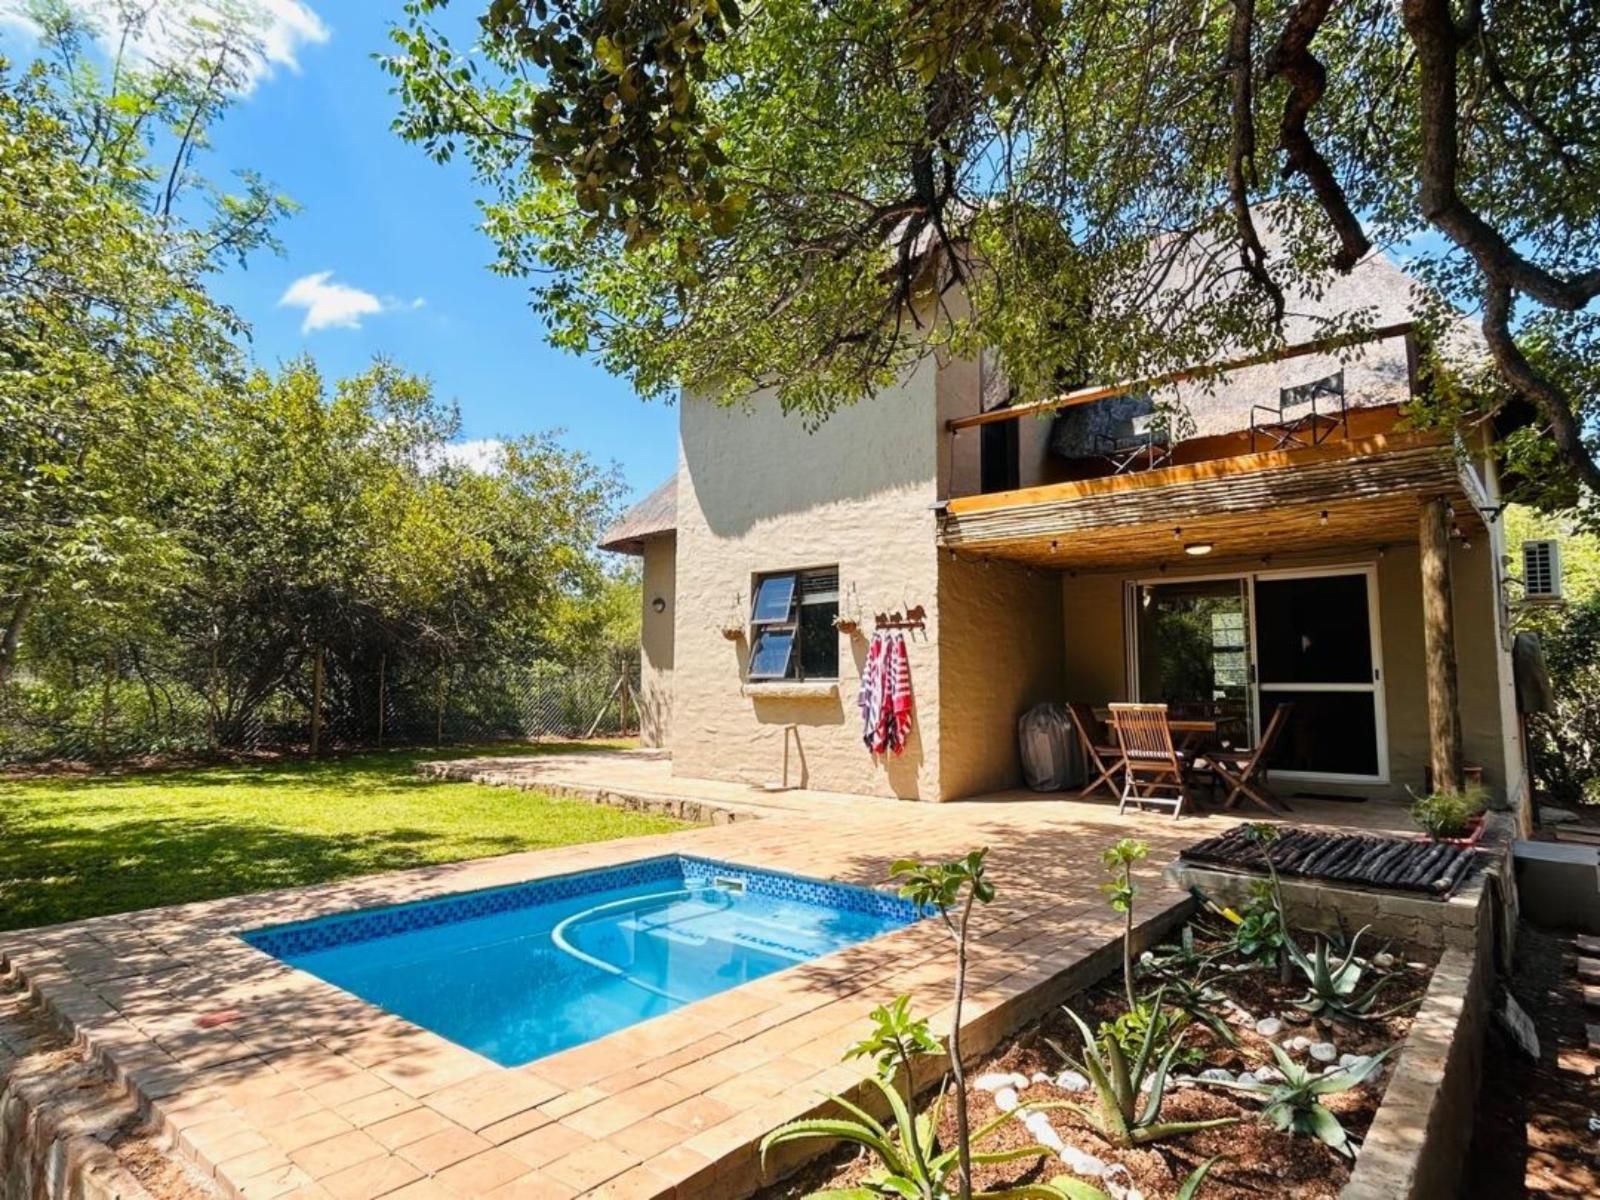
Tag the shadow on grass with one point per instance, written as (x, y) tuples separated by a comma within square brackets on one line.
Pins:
[(58, 872)]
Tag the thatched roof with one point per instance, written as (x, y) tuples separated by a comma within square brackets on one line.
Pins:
[(654, 516)]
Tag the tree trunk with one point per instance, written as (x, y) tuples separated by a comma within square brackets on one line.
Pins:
[(316, 704), (957, 1071), (26, 599), (383, 662), (1439, 649)]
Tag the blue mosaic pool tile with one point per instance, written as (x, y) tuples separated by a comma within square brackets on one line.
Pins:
[(322, 933)]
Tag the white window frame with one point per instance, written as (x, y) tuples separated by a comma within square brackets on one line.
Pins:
[(1249, 578)]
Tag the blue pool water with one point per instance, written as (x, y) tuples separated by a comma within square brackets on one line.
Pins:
[(519, 972)]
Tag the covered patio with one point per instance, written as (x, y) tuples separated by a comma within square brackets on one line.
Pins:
[(1356, 580)]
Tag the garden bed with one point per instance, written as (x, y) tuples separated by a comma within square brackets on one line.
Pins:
[(1260, 1160)]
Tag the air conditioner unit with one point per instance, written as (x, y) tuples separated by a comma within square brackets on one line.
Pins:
[(1541, 570)]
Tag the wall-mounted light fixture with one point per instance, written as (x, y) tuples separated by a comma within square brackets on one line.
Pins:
[(659, 604), (1197, 549)]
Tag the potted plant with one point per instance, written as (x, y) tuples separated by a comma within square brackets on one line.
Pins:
[(1455, 817)]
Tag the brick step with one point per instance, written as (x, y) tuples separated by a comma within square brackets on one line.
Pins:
[(1594, 1037), (1591, 996), (1588, 944), (1589, 970)]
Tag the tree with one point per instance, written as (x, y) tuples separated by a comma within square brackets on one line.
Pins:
[(107, 333), (726, 196), (329, 519)]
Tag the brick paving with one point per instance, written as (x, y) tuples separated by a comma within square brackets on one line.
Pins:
[(278, 1084)]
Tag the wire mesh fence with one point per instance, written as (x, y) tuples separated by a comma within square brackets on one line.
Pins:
[(137, 705)]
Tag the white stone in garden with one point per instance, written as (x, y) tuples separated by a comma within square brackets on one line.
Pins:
[(1269, 1027), (1072, 1081), (1080, 1162), (1217, 1074), (994, 1081), (1006, 1099), (1044, 1133), (1266, 1074), (1383, 960), (1247, 1078), (1325, 1052), (1040, 1077), (1297, 1043)]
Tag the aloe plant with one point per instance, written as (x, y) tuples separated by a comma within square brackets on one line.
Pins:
[(1332, 983), (1295, 1105), (912, 1163), (1122, 1115)]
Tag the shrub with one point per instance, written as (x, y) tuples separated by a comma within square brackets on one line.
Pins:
[(1449, 814)]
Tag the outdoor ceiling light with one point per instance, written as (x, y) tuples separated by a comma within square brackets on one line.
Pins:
[(1197, 548)]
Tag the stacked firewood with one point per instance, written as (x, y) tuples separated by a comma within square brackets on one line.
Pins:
[(1398, 864)]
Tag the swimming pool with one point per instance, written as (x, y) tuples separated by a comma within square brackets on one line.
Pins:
[(519, 972)]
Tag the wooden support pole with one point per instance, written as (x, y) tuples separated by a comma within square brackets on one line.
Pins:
[(383, 662), (316, 703), (1439, 649)]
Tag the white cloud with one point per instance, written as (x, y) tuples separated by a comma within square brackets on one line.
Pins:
[(483, 455), (333, 305), (282, 29)]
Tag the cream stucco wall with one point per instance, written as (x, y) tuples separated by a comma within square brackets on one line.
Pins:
[(757, 492), (1096, 660), (1001, 653), (656, 645)]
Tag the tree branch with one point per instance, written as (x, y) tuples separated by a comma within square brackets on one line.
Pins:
[(1241, 155), (1553, 402), (1438, 40), (1293, 61)]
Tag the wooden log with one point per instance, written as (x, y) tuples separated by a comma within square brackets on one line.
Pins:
[(1439, 649)]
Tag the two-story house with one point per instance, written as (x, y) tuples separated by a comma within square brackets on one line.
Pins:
[(1286, 538)]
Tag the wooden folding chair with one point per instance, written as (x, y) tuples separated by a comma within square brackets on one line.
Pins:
[(1246, 774), (1155, 772), (1102, 761)]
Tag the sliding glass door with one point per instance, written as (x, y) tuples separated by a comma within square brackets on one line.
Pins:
[(1194, 653), (1316, 648), (1233, 649)]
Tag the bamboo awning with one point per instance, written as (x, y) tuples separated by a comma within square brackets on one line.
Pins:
[(1362, 493)]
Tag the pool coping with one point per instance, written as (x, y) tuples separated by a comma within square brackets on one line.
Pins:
[(359, 926), (210, 1035)]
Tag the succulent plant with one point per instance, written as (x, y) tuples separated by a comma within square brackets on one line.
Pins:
[(1294, 1104)]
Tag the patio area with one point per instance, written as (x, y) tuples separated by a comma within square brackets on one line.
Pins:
[(277, 1084)]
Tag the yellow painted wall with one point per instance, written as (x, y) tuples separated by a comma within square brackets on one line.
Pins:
[(656, 642), (1001, 653)]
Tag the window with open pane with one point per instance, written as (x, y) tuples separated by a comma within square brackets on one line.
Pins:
[(792, 631)]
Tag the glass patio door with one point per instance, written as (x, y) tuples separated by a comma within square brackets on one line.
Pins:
[(1193, 651), (1316, 647)]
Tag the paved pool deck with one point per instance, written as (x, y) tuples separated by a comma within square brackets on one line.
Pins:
[(277, 1084)]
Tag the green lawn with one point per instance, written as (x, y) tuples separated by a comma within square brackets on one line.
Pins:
[(81, 847)]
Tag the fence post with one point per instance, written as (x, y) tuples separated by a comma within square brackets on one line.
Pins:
[(105, 706), (383, 661), (316, 704), (438, 728), (211, 699)]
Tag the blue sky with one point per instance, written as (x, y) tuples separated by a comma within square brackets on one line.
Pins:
[(382, 219)]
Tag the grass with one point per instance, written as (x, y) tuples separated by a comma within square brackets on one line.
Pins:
[(83, 846)]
